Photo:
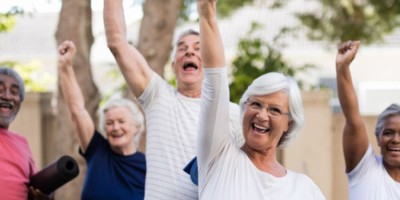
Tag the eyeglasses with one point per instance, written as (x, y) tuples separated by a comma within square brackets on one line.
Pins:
[(271, 110)]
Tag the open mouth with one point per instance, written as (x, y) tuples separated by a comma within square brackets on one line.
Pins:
[(190, 66), (394, 149), (6, 105), (260, 129), (116, 135), (116, 138)]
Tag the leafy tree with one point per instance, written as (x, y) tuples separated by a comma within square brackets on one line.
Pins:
[(256, 57), (155, 38), (33, 74), (367, 20), (7, 20), (159, 22), (157, 30), (35, 79), (224, 7)]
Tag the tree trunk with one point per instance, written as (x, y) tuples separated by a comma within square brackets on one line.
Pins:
[(155, 37), (157, 31), (75, 24)]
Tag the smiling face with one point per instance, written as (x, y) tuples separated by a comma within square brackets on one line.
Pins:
[(261, 129), (120, 129), (187, 62), (389, 141), (10, 99)]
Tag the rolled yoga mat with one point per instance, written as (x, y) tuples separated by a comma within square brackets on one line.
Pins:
[(55, 175)]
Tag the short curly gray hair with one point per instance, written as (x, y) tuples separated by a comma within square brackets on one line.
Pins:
[(390, 111), (12, 73)]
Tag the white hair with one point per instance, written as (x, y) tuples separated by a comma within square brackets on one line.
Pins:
[(273, 82), (132, 107), (182, 35)]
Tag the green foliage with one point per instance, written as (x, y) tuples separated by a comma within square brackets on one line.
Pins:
[(172, 81), (224, 8), (7, 20), (35, 79), (337, 21), (169, 74), (256, 57), (120, 87)]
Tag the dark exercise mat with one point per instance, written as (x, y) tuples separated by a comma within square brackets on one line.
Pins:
[(55, 175)]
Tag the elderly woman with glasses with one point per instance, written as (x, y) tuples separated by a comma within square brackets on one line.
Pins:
[(271, 115)]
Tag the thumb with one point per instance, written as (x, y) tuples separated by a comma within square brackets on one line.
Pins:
[(356, 44)]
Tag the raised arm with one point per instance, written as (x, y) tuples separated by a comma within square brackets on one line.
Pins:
[(131, 62), (214, 115), (355, 138), (73, 94), (211, 47)]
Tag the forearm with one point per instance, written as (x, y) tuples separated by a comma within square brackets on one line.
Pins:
[(114, 23), (75, 101), (72, 93), (212, 50), (347, 95)]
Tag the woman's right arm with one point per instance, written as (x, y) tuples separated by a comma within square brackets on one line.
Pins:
[(355, 138), (73, 94)]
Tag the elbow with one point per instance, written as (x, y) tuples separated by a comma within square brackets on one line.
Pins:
[(113, 47), (115, 44), (78, 114)]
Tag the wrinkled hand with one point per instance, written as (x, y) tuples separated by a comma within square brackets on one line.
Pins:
[(346, 53), (66, 52), (36, 194)]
